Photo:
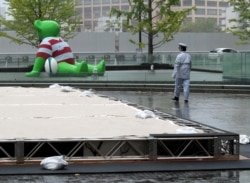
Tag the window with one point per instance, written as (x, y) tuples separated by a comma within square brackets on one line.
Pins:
[(79, 11), (105, 11), (221, 21), (105, 2), (187, 3), (199, 11), (223, 4), (199, 19), (213, 20), (212, 3), (78, 2), (97, 2), (87, 25), (96, 12), (87, 2), (95, 23), (115, 1), (212, 12), (199, 3), (87, 12), (115, 7), (125, 8), (222, 11)]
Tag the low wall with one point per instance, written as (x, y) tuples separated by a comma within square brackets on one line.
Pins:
[(119, 42)]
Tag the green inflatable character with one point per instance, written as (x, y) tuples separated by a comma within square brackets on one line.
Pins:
[(51, 45)]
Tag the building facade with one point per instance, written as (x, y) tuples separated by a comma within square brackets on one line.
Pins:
[(92, 11)]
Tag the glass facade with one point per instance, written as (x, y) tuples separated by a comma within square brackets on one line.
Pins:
[(95, 9)]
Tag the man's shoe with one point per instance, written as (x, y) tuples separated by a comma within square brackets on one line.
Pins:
[(186, 101), (176, 99)]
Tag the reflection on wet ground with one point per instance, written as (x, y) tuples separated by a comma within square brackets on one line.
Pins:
[(167, 177), (225, 111)]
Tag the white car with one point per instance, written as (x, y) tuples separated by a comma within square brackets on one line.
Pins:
[(218, 52)]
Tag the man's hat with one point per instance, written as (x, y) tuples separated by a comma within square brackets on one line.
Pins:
[(182, 45)]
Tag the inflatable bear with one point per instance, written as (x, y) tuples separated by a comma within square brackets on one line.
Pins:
[(52, 45)]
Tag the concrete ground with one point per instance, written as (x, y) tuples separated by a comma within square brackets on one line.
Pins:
[(114, 76)]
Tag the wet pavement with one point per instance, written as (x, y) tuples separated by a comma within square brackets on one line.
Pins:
[(166, 177), (229, 112)]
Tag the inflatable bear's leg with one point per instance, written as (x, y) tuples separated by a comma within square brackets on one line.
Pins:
[(64, 67), (82, 66), (37, 68)]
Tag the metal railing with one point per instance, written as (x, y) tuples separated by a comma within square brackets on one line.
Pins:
[(200, 59), (232, 65)]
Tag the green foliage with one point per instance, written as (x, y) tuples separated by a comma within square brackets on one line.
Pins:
[(204, 25), (25, 12), (152, 17), (241, 29)]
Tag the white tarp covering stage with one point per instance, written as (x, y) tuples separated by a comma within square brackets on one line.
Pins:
[(64, 112)]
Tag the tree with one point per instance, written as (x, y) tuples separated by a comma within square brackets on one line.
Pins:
[(23, 13), (240, 27), (152, 18), (201, 25)]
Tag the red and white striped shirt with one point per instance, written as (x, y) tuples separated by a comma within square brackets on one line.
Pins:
[(57, 48)]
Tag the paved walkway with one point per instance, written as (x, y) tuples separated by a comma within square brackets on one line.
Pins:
[(114, 76)]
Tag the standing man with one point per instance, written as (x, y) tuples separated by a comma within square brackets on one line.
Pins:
[(181, 73)]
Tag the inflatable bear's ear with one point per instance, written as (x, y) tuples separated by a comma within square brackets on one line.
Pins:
[(38, 24)]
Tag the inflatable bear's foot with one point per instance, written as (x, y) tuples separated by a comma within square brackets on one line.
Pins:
[(101, 67), (97, 69), (32, 74)]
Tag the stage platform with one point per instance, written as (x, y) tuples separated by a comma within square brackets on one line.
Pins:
[(87, 127)]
